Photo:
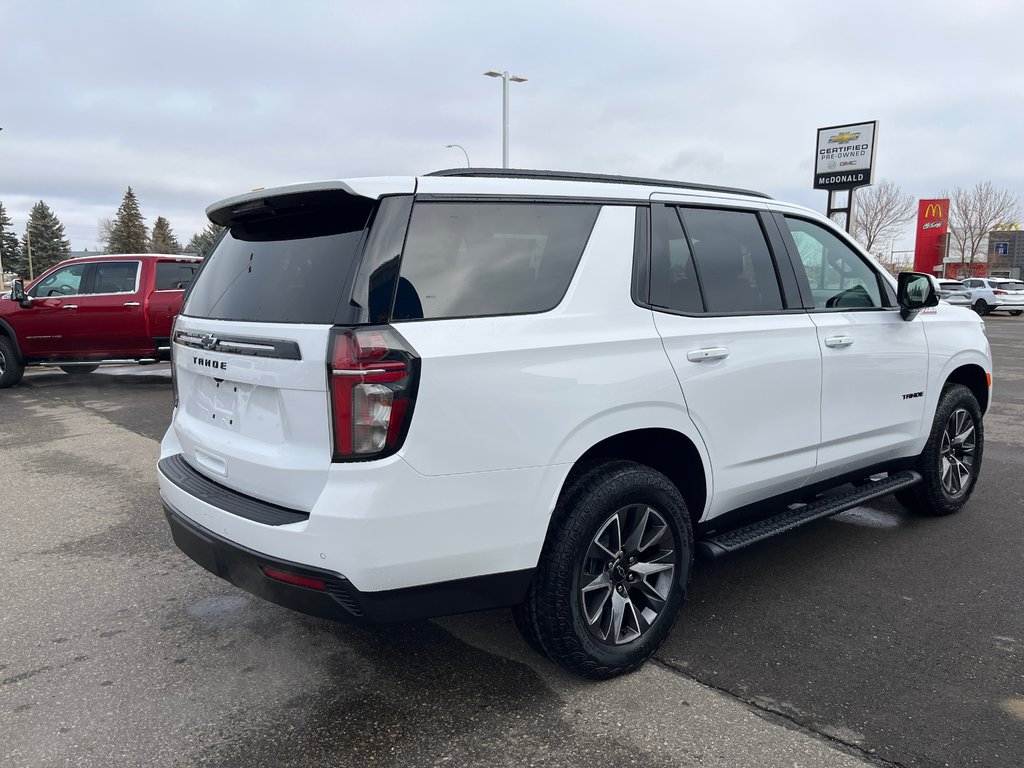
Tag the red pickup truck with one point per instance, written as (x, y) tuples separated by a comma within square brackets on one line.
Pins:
[(86, 311)]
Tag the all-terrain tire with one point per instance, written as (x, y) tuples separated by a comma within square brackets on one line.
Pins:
[(79, 369), (11, 369), (951, 459), (635, 518)]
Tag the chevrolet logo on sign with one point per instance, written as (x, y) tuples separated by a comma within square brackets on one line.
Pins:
[(843, 137)]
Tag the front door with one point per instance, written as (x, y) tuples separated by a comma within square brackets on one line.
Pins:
[(46, 328), (874, 363)]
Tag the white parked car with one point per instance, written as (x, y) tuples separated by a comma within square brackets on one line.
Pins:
[(995, 294), (954, 292), (405, 397)]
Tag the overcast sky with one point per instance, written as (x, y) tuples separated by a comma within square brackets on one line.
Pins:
[(189, 102)]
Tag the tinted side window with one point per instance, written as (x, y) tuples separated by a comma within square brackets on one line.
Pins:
[(476, 259), (174, 275), (66, 281), (839, 278), (115, 277), (735, 267), (674, 282)]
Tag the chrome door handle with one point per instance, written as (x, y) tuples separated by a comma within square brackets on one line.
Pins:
[(711, 353), (838, 341), (70, 306), (131, 303)]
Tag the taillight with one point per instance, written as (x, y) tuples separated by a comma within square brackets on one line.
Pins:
[(372, 375), (999, 293)]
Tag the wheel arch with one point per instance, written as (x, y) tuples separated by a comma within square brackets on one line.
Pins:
[(973, 377), (668, 451), (6, 330)]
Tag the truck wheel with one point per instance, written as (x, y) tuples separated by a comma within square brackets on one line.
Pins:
[(11, 370), (613, 572), (951, 459), (981, 307), (77, 369), (1017, 312)]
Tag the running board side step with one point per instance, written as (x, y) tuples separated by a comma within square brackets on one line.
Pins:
[(724, 543)]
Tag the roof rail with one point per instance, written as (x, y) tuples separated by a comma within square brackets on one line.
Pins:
[(525, 173)]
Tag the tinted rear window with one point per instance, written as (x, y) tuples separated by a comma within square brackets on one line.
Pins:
[(475, 259), (287, 262), (174, 275)]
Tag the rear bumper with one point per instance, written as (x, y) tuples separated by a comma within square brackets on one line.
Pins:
[(339, 600)]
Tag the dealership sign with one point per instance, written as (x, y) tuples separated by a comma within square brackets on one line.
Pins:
[(845, 156)]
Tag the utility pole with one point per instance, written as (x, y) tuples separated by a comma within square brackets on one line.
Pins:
[(28, 247)]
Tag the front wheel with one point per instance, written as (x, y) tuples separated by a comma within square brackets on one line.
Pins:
[(951, 459), (1017, 312), (981, 307), (613, 573), (11, 369), (78, 369)]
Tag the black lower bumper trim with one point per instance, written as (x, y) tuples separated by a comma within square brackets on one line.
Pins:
[(340, 601)]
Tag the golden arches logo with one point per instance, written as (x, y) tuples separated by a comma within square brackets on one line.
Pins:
[(1011, 227), (933, 211)]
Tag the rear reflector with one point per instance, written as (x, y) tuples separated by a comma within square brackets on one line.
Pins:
[(292, 578)]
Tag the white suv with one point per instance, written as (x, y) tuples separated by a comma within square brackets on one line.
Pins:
[(995, 294), (406, 397)]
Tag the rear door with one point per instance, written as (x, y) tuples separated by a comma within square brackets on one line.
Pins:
[(110, 321), (250, 345), (743, 349), (171, 278)]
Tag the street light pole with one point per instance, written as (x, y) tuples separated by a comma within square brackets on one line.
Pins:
[(452, 146), (505, 78)]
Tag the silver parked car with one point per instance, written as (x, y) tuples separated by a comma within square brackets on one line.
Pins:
[(954, 292)]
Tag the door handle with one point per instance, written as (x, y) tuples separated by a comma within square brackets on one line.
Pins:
[(838, 341), (711, 353), (70, 306), (131, 303)]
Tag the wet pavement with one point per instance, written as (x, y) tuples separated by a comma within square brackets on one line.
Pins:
[(872, 638)]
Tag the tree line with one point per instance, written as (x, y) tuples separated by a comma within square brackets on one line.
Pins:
[(45, 243)]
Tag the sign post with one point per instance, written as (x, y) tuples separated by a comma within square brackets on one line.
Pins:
[(844, 159)]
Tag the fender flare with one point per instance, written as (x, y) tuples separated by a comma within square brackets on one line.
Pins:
[(7, 330)]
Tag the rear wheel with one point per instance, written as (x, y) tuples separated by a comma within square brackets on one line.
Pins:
[(11, 369), (951, 459), (78, 369), (1017, 312), (613, 573), (981, 307)]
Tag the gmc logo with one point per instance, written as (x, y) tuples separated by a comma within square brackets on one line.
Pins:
[(202, 362)]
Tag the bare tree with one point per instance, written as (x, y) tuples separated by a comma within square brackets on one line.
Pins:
[(973, 213), (881, 212), (104, 231)]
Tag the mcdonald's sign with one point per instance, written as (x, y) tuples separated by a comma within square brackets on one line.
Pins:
[(932, 226)]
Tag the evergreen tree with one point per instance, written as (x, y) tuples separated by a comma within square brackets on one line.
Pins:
[(10, 252), (45, 234), (128, 235), (202, 242), (163, 240)]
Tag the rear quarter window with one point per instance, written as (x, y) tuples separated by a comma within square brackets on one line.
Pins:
[(474, 259), (174, 275)]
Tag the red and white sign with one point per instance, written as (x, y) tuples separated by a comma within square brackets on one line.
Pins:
[(932, 226)]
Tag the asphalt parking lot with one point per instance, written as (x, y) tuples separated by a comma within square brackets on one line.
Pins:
[(872, 638)]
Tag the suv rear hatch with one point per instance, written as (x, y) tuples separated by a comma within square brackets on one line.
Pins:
[(253, 342)]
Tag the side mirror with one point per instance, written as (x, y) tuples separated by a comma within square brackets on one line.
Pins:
[(915, 291), (18, 292)]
